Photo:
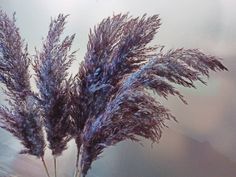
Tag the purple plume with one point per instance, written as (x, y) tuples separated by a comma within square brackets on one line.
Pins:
[(22, 119), (51, 65), (111, 102)]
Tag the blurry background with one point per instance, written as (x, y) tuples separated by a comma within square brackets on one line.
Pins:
[(202, 144)]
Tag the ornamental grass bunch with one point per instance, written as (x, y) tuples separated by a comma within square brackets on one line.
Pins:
[(108, 100)]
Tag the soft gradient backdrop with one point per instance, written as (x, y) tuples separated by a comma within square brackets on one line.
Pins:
[(202, 144)]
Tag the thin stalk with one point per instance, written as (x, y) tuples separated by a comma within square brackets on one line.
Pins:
[(78, 144), (79, 173), (55, 165), (80, 169), (76, 165), (45, 166), (78, 162)]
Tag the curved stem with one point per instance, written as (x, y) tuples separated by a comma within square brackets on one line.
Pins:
[(78, 172), (55, 165), (45, 166), (80, 167), (78, 144)]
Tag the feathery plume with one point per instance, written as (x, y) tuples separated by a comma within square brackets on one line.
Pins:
[(114, 44), (111, 103), (130, 114), (51, 67), (22, 119), (116, 47)]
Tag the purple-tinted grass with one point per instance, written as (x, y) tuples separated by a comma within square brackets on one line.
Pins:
[(51, 65), (111, 102), (108, 101), (21, 117)]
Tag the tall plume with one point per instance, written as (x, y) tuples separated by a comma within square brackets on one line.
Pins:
[(111, 101), (21, 117), (51, 65), (116, 47)]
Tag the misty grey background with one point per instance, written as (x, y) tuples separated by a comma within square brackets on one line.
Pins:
[(202, 144)]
